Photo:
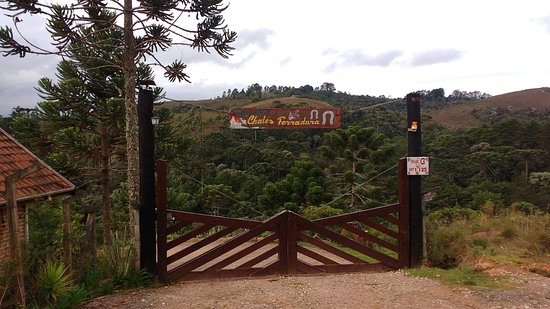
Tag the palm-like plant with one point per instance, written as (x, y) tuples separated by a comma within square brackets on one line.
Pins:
[(54, 280)]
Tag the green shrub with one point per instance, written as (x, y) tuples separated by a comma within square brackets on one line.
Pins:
[(525, 208), (54, 281), (509, 232), (119, 255), (73, 298), (447, 247), (480, 242), (446, 216), (317, 212), (133, 279)]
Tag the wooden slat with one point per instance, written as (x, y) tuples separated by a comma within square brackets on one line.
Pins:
[(346, 242), (306, 268), (162, 201), (242, 253), (200, 244), (226, 247), (404, 210), (316, 256), (185, 237), (322, 245), (214, 220), (353, 216), (264, 256), (177, 226), (271, 269), (381, 228), (369, 237), (391, 219)]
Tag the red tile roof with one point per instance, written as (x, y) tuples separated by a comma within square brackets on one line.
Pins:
[(44, 182)]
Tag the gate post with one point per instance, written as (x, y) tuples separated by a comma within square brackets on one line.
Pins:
[(292, 243), (162, 200), (416, 222), (146, 181), (283, 242), (403, 194)]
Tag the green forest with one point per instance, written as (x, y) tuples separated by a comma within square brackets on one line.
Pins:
[(257, 173), (498, 167)]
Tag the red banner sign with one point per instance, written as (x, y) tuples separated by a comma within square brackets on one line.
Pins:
[(285, 118)]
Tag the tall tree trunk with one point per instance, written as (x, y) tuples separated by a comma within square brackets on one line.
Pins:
[(105, 192), (132, 137)]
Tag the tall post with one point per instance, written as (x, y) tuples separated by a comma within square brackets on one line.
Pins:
[(404, 208), (416, 215), (147, 181), (162, 200)]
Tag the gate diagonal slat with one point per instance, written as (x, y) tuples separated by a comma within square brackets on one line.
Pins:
[(200, 244), (354, 216), (264, 256), (187, 236), (316, 256), (369, 237), (381, 228), (347, 242), (307, 268), (243, 253), (391, 219), (176, 227), (225, 247), (322, 245), (271, 269), (214, 220)]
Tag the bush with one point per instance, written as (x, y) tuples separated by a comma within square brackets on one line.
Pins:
[(447, 247), (317, 212), (54, 281), (446, 216)]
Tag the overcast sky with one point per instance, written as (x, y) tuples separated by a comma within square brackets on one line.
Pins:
[(389, 48)]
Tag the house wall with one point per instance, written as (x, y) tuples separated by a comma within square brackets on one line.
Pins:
[(4, 237)]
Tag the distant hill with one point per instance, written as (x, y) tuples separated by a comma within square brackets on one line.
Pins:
[(288, 102), (525, 104)]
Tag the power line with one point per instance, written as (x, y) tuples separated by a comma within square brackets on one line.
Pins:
[(223, 194), (380, 104), (198, 106)]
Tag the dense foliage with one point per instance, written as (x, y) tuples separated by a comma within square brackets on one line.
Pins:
[(500, 167)]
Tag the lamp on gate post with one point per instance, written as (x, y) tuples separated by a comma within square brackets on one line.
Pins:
[(147, 176)]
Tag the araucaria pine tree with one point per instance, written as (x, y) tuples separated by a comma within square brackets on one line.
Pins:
[(148, 27)]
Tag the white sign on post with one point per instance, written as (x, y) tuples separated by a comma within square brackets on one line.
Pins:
[(418, 166)]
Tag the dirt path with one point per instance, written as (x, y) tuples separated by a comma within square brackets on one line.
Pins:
[(359, 290)]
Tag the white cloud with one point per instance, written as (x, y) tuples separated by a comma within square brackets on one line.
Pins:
[(363, 47), (435, 56), (546, 22)]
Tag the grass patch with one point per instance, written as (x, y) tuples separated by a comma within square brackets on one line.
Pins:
[(542, 272), (461, 276)]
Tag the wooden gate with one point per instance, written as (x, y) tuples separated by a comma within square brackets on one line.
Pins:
[(196, 246)]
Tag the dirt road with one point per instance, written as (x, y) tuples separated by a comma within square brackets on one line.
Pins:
[(360, 290)]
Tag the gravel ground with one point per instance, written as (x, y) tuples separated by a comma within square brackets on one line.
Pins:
[(359, 290)]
